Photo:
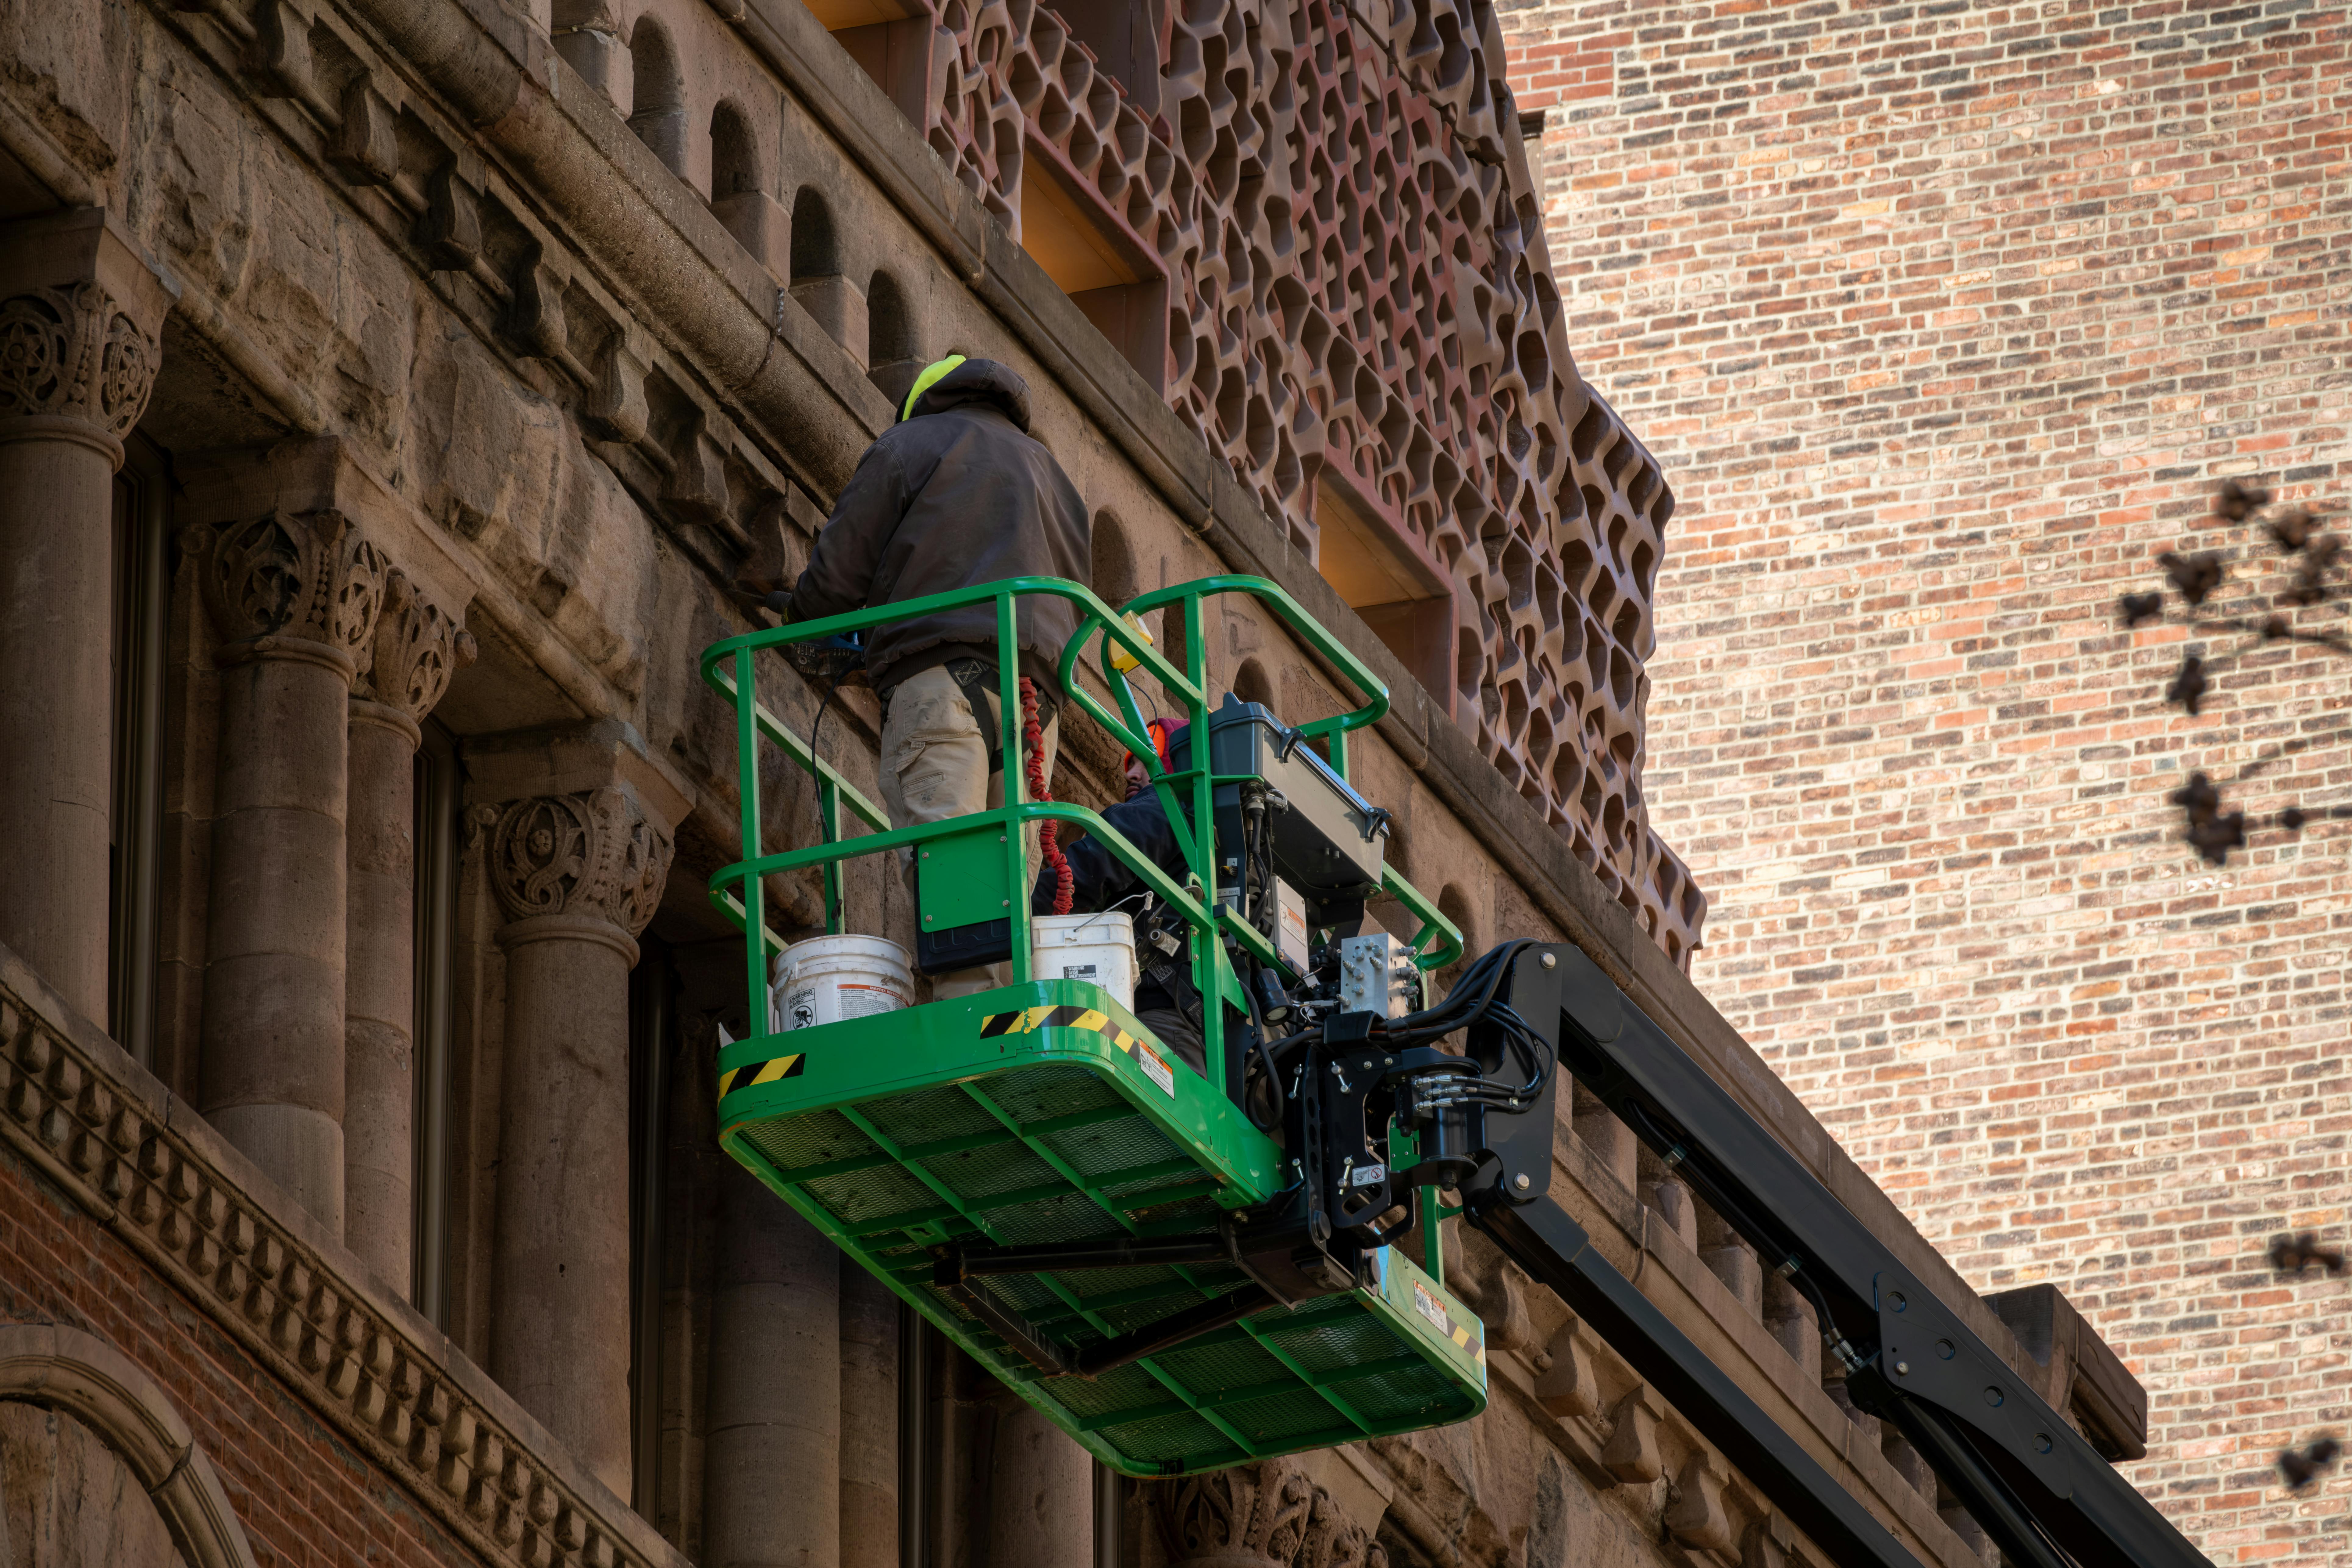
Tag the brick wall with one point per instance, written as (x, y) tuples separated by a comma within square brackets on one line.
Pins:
[(1943, 320), (304, 1499)]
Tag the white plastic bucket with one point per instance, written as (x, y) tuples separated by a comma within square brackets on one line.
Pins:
[(1099, 949), (833, 979)]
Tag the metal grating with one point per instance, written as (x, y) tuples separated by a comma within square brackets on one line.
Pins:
[(1029, 1151)]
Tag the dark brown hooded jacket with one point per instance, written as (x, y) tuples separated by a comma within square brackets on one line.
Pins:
[(957, 493)]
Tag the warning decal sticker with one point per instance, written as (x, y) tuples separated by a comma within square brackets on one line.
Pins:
[(1426, 1303), (1155, 1068)]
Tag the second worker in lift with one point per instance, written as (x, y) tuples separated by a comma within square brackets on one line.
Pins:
[(957, 493)]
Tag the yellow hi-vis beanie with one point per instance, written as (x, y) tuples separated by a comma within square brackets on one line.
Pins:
[(933, 373)]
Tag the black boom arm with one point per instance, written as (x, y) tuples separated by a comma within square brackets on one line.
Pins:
[(2042, 1493)]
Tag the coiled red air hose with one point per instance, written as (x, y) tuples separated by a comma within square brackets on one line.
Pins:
[(1033, 761)]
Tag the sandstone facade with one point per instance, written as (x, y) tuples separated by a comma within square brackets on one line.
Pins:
[(1946, 320), (388, 390)]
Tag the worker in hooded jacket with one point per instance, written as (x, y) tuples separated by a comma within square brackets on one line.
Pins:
[(958, 493)]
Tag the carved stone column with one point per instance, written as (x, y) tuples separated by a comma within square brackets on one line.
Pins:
[(416, 649), (296, 599), (79, 327), (579, 876), (776, 1398), (1267, 1515), (870, 1421), (1040, 1495)]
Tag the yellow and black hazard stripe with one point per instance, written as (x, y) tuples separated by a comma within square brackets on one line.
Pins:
[(1029, 1019), (1149, 1058), (751, 1074)]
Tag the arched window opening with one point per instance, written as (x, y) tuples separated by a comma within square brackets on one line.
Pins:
[(1251, 685), (586, 35), (734, 154), (658, 94), (738, 192), (84, 1427), (893, 354), (1114, 561), (816, 250), (814, 269)]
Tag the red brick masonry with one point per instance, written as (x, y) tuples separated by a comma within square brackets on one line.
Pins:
[(305, 1499), (1943, 320)]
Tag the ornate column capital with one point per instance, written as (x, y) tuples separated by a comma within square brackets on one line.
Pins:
[(576, 865), (1268, 1515), (81, 319), (405, 667), (301, 585)]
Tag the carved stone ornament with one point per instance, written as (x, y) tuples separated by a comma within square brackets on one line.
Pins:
[(595, 853), (312, 576), (73, 353), (1268, 1514), (416, 649)]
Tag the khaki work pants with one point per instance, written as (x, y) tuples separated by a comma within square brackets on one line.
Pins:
[(935, 766)]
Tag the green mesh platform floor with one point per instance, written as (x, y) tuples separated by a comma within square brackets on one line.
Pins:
[(1044, 1112)]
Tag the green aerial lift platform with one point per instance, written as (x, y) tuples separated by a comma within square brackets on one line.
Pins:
[(1043, 1115)]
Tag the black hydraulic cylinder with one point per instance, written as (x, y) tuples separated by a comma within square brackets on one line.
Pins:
[(1557, 1251)]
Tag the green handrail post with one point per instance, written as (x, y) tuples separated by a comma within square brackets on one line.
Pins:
[(1433, 923), (755, 904), (828, 806), (1016, 788)]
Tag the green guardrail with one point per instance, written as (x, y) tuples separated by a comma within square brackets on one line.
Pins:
[(731, 668)]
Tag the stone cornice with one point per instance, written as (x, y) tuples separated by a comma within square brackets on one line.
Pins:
[(1599, 1436), (197, 1214)]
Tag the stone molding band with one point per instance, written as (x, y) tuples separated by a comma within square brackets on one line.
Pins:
[(62, 427), (568, 928), (291, 650), (383, 716)]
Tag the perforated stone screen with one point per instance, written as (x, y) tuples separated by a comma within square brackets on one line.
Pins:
[(1357, 298)]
